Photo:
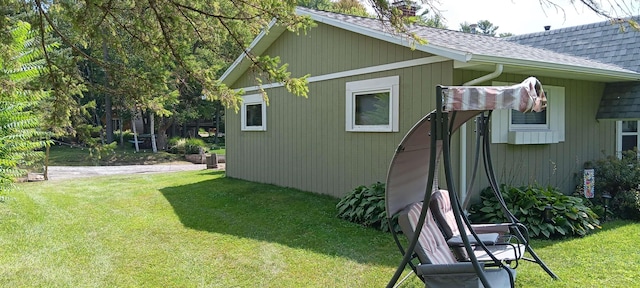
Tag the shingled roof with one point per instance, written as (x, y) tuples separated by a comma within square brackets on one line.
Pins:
[(466, 46), (470, 49), (611, 42), (608, 42)]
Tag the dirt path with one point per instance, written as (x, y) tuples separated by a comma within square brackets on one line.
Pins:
[(70, 172)]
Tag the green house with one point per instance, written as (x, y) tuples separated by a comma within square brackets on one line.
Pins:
[(369, 85)]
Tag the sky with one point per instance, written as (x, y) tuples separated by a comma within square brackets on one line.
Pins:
[(520, 16)]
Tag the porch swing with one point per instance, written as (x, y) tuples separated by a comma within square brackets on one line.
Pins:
[(484, 257)]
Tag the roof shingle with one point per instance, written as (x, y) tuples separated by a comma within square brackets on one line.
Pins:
[(475, 44)]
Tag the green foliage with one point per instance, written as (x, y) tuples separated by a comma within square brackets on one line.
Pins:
[(569, 215), (484, 27), (613, 174), (435, 21), (620, 178), (365, 205), (126, 135), (626, 205), (20, 135), (186, 145)]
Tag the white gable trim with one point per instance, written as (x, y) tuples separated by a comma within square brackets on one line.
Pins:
[(360, 71), (264, 33)]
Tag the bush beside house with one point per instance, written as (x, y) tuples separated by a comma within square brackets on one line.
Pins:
[(619, 178)]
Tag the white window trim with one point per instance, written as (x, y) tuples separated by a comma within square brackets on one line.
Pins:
[(502, 131), (619, 135), (252, 100), (390, 84)]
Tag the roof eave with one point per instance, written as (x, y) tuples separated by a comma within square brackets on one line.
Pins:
[(619, 75), (388, 37), (257, 46)]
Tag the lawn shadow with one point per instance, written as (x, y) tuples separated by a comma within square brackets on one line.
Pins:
[(281, 215)]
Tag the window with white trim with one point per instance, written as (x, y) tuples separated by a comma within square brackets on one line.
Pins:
[(373, 105), (627, 136), (253, 113), (515, 127)]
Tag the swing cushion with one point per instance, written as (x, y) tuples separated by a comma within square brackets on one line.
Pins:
[(439, 267), (489, 234), (432, 247)]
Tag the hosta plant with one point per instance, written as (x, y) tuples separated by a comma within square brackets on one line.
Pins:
[(365, 205), (567, 216)]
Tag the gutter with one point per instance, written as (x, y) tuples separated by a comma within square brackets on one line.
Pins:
[(614, 71), (463, 135)]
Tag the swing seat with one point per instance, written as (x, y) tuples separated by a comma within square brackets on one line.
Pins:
[(438, 267), (495, 236)]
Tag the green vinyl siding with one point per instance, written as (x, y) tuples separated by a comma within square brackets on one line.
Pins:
[(586, 139), (325, 49), (306, 145)]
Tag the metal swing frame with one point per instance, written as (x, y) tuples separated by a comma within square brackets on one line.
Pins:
[(442, 124)]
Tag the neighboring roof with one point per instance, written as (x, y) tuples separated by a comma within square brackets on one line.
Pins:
[(620, 101), (459, 46), (607, 42)]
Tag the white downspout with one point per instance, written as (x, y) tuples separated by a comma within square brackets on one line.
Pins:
[(463, 133)]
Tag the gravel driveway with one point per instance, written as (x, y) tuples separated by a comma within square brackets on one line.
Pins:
[(69, 172)]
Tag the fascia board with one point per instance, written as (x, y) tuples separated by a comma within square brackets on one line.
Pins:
[(633, 76), (257, 46)]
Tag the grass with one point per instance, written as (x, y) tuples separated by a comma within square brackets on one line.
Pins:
[(67, 156), (219, 151), (200, 228)]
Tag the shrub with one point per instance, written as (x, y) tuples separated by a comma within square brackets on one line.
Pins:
[(569, 215), (620, 178), (365, 205), (626, 205), (186, 145), (126, 135), (613, 174)]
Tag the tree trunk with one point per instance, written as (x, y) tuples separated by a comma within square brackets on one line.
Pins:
[(121, 132), (197, 132), (108, 107), (164, 125), (215, 139), (133, 128), (152, 129), (46, 162)]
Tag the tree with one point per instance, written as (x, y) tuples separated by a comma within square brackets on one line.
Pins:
[(484, 27), (20, 135), (351, 7), (435, 20), (487, 28), (151, 46)]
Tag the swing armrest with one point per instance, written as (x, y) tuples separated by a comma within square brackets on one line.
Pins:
[(500, 228), (486, 238)]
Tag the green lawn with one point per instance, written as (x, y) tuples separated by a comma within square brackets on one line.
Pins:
[(193, 229)]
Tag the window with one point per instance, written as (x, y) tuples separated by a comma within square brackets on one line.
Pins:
[(515, 127), (253, 113), (627, 136), (372, 105)]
